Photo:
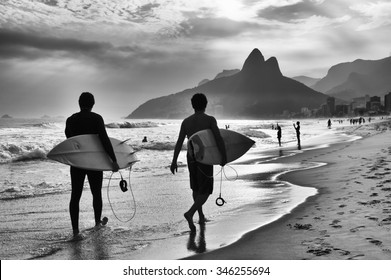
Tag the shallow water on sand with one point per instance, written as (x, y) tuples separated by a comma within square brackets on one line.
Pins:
[(35, 193)]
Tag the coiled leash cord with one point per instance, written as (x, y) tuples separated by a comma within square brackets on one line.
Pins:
[(220, 201), (123, 184)]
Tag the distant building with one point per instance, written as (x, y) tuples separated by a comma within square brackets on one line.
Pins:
[(374, 104), (387, 102), (286, 113), (306, 112), (342, 110), (331, 106), (324, 110), (360, 102)]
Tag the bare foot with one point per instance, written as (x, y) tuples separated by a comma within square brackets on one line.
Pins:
[(190, 221), (103, 222), (77, 237)]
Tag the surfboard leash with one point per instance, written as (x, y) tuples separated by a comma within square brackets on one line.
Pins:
[(124, 187), (220, 201)]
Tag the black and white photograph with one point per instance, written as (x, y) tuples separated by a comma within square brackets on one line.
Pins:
[(195, 130)]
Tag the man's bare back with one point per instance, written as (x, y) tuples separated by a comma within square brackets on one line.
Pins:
[(198, 122)]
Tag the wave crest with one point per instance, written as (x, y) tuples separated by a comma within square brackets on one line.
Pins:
[(132, 125), (13, 153), (30, 190)]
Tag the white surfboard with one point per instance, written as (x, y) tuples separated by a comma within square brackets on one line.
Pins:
[(202, 145), (87, 152)]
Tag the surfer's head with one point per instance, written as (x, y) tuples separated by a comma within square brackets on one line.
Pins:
[(199, 102), (86, 100)]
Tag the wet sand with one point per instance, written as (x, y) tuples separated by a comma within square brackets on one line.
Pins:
[(349, 218)]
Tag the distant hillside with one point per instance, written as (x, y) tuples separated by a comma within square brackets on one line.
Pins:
[(258, 90), (224, 73), (358, 78), (308, 81)]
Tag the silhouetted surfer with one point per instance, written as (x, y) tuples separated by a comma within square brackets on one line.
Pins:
[(87, 122), (329, 123), (297, 128), (201, 175), (279, 134)]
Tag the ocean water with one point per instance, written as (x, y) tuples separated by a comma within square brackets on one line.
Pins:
[(35, 191)]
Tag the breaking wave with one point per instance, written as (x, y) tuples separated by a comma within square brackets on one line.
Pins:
[(43, 125), (132, 125), (11, 191), (14, 153)]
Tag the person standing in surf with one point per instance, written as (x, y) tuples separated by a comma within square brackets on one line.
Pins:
[(279, 134), (297, 128), (87, 122), (201, 175)]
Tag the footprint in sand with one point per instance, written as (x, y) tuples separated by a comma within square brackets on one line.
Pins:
[(370, 203), (386, 221), (342, 252), (356, 228), (335, 224), (372, 218), (356, 257), (374, 241)]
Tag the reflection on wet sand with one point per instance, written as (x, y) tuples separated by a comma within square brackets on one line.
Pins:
[(199, 246), (97, 241)]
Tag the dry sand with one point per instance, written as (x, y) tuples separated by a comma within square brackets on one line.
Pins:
[(349, 218)]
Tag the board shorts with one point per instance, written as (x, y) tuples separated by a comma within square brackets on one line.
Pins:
[(201, 176)]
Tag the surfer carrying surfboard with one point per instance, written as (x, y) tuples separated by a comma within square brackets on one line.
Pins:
[(87, 122), (201, 175)]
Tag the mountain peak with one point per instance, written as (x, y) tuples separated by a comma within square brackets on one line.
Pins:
[(254, 61), (273, 67)]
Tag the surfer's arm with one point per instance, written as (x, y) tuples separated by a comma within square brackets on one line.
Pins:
[(177, 150), (107, 144), (68, 132), (219, 141)]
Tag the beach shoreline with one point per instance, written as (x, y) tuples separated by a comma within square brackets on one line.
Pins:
[(274, 184), (349, 218)]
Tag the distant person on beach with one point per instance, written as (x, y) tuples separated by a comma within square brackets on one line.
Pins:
[(201, 175), (279, 134), (329, 123), (145, 140), (297, 128), (87, 122)]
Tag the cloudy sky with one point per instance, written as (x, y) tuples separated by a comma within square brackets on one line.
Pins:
[(128, 51)]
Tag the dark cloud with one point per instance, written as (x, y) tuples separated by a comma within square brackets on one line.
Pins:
[(19, 44), (215, 27), (301, 10), (50, 2)]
